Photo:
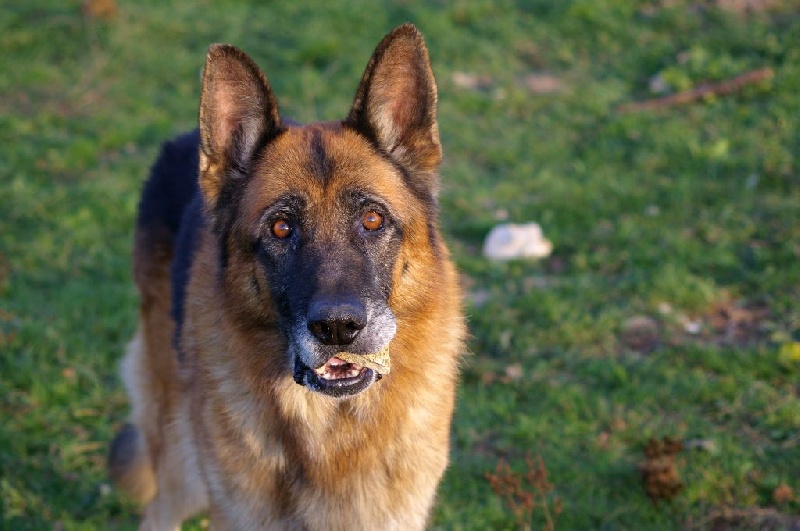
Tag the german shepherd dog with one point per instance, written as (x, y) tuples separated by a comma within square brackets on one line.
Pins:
[(283, 270)]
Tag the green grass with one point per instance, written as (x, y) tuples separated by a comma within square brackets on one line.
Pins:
[(682, 214)]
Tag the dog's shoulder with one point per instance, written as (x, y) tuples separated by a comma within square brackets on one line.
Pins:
[(171, 214), (185, 246), (171, 186)]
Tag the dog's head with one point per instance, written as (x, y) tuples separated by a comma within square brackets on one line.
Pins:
[(312, 219)]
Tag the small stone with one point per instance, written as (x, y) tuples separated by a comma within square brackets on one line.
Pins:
[(469, 80), (542, 83), (509, 241), (692, 327), (658, 85), (706, 445), (514, 371)]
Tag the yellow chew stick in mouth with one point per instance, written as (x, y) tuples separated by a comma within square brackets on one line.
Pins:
[(377, 361)]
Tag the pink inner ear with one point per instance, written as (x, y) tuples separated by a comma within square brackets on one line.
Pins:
[(399, 101), (226, 121), (404, 97)]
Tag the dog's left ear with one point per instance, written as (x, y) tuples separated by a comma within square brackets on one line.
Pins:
[(237, 112), (396, 104)]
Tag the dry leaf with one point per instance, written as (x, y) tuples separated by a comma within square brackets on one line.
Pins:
[(782, 493)]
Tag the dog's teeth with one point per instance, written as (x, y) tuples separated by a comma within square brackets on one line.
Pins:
[(337, 369)]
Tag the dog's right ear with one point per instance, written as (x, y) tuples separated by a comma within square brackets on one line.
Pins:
[(238, 112)]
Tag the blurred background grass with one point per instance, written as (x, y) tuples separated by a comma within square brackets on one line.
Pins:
[(668, 308)]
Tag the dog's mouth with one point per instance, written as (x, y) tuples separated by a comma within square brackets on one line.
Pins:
[(336, 378), (338, 369)]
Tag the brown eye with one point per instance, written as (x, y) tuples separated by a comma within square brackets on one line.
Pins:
[(281, 229), (372, 221)]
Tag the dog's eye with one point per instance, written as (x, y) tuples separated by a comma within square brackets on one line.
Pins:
[(281, 229), (372, 221)]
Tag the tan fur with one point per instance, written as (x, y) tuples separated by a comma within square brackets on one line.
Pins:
[(228, 430)]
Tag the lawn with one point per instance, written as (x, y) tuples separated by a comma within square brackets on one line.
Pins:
[(668, 308)]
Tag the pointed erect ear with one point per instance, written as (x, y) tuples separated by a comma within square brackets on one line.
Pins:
[(237, 112), (396, 104)]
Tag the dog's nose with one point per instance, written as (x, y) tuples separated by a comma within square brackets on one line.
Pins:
[(336, 322)]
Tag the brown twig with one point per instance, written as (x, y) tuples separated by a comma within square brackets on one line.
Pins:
[(659, 473), (722, 88), (523, 492)]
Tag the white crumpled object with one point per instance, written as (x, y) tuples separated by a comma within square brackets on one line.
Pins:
[(511, 240)]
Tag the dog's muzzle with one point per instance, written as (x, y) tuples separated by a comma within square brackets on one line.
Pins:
[(337, 377)]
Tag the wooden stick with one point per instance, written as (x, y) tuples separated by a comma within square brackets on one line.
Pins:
[(722, 88)]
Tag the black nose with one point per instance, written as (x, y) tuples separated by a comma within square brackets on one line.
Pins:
[(336, 322)]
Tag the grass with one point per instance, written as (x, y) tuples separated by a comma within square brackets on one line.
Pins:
[(668, 308)]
